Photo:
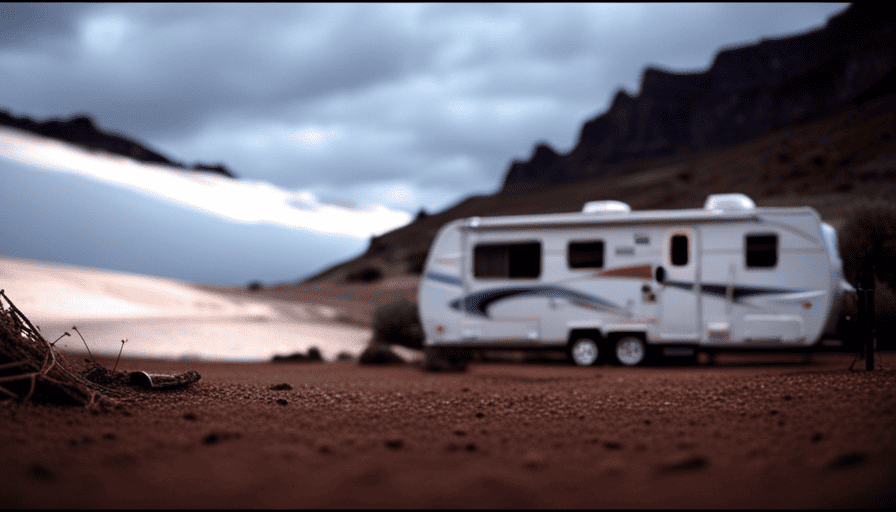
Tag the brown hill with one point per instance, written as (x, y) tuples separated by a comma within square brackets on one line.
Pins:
[(746, 93), (81, 130)]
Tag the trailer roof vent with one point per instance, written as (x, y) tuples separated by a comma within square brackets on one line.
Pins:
[(728, 202), (606, 207)]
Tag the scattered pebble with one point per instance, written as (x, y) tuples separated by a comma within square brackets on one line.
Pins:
[(281, 401), (216, 437), (849, 460), (610, 445), (394, 444), (534, 460), (688, 463), (190, 416), (281, 387)]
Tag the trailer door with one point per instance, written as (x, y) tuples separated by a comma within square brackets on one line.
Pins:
[(678, 304), (501, 303)]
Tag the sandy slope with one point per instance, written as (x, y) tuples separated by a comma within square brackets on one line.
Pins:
[(168, 319)]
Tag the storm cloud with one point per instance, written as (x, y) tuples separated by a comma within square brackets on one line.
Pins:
[(406, 105)]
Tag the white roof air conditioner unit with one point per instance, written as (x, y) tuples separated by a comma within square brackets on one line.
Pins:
[(728, 202), (606, 207)]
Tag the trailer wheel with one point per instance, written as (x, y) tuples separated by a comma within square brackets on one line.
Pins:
[(583, 352), (631, 350)]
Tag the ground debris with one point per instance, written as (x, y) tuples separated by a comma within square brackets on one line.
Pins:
[(163, 380), (32, 369)]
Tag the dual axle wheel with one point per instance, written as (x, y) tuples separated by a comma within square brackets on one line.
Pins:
[(629, 351)]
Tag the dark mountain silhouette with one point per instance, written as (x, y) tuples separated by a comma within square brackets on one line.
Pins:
[(746, 93), (81, 130), (805, 120)]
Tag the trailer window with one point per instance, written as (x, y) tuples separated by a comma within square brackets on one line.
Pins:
[(762, 251), (679, 250), (586, 254), (507, 261)]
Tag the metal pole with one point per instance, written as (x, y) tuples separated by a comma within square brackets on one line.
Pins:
[(861, 314), (865, 295)]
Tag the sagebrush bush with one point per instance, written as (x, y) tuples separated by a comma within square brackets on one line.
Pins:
[(379, 354), (868, 237), (398, 323)]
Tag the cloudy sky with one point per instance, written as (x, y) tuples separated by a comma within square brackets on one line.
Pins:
[(408, 105)]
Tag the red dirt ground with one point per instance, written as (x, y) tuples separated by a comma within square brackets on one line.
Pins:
[(741, 433)]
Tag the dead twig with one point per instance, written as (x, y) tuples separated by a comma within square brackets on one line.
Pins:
[(119, 354), (75, 328)]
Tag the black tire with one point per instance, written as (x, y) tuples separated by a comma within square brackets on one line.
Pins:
[(630, 350), (584, 351)]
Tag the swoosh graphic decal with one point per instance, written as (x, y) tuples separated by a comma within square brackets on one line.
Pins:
[(443, 278), (720, 290), (478, 303)]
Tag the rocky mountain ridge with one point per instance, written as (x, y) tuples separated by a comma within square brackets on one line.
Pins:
[(747, 92), (82, 130)]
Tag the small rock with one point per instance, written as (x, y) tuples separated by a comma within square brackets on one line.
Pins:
[(394, 444), (41, 472), (281, 387), (689, 463), (849, 460), (534, 460), (281, 401)]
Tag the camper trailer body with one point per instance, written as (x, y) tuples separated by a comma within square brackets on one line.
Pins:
[(728, 276)]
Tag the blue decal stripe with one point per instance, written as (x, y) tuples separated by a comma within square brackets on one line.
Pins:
[(443, 278), (478, 303)]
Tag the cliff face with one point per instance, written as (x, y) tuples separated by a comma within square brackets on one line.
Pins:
[(747, 92), (82, 131)]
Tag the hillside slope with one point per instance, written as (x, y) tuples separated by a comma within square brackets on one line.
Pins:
[(81, 130), (746, 93)]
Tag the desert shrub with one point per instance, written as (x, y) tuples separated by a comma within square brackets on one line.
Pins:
[(367, 274), (398, 323), (416, 261), (32, 369), (255, 286), (313, 356), (868, 237), (379, 354)]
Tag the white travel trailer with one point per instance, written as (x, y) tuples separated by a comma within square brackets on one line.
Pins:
[(615, 285)]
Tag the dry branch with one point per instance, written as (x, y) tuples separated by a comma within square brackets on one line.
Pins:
[(32, 369)]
